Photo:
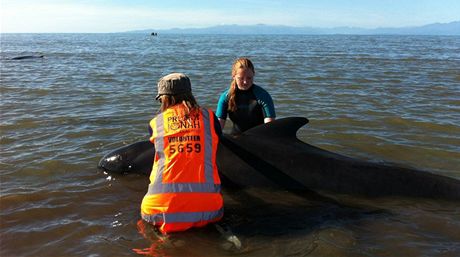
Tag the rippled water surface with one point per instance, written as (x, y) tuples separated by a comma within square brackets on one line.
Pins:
[(381, 98)]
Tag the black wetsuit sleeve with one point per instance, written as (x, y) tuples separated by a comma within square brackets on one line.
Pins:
[(217, 127)]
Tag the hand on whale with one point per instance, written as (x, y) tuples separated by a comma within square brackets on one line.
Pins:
[(270, 155)]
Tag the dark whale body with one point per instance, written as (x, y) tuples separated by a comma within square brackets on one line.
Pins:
[(25, 57), (270, 155)]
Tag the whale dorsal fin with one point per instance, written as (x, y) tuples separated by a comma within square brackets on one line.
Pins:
[(285, 127)]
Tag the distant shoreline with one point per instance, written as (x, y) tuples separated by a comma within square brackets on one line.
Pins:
[(451, 28), (434, 29), (219, 34)]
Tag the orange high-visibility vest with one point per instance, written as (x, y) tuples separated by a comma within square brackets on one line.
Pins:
[(184, 188)]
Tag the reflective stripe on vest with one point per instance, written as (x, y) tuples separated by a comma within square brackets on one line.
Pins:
[(183, 216)]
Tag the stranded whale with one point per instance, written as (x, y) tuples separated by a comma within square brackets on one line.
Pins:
[(270, 155)]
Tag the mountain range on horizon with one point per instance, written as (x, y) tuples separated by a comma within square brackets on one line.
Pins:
[(451, 28)]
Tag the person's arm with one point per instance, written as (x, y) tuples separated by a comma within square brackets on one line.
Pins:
[(221, 110), (217, 126), (222, 123), (266, 101)]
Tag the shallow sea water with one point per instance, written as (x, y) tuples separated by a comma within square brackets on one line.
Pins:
[(381, 98)]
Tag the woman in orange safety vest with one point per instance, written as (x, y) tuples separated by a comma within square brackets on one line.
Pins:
[(185, 189)]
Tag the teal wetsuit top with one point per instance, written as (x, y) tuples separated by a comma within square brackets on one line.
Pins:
[(252, 107)]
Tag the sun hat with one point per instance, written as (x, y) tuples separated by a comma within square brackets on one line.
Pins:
[(173, 84)]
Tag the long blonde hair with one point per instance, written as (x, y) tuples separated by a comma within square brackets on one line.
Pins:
[(240, 63), (187, 99)]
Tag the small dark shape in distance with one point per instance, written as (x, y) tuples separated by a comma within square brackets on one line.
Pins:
[(27, 57)]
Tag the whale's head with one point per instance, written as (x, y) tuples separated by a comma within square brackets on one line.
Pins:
[(134, 158)]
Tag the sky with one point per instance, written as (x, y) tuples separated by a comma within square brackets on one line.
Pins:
[(99, 16)]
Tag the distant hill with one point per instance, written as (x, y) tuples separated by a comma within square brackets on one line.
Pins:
[(452, 28)]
